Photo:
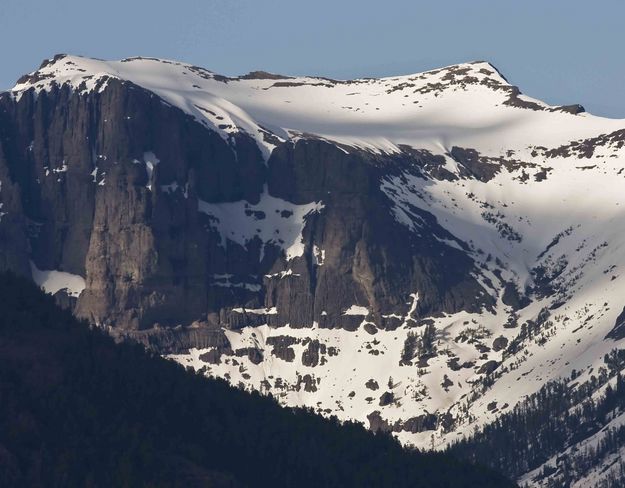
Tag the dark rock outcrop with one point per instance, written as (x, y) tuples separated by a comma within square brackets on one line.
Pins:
[(618, 331), (386, 398), (488, 367)]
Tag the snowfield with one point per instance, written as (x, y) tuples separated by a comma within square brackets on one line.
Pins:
[(462, 105)]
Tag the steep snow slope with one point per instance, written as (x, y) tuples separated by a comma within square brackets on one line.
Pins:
[(532, 193)]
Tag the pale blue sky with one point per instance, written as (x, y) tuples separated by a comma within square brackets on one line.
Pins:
[(557, 50)]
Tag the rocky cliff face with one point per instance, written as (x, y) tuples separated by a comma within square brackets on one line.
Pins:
[(107, 185), (417, 253), (92, 203)]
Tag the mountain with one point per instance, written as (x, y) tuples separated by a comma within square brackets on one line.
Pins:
[(79, 410), (420, 253)]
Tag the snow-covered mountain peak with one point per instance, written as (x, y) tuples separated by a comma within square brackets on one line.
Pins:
[(415, 252), (62, 66), (465, 105)]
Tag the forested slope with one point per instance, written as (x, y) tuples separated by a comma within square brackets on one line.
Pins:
[(79, 410)]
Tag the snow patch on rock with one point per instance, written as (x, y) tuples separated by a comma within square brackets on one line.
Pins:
[(53, 281), (272, 220)]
